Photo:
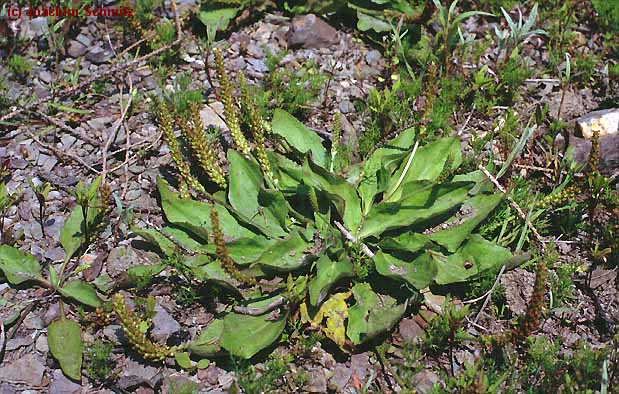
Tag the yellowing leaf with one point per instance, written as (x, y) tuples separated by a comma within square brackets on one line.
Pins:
[(304, 315), (335, 310)]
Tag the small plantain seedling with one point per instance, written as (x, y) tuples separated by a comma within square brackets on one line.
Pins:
[(41, 191)]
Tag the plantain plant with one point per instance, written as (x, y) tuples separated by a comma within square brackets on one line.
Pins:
[(21, 269), (356, 246)]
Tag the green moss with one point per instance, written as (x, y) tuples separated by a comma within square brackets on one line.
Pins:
[(99, 363), (20, 66)]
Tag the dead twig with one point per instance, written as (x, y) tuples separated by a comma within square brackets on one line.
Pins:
[(119, 122), (63, 126), (244, 310), (118, 68), (488, 295), (514, 205), (63, 155), (352, 238), (20, 320)]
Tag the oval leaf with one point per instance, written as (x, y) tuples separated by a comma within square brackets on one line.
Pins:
[(244, 335), (208, 343), (372, 314), (299, 136), (328, 273), (419, 273), (82, 292), (18, 266), (65, 343)]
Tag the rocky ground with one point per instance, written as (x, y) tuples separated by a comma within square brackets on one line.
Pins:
[(97, 135)]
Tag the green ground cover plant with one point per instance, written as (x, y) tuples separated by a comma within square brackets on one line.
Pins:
[(301, 243)]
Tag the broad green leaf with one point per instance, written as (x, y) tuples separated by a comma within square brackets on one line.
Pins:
[(299, 136), (245, 251), (246, 182), (208, 343), (244, 335), (286, 254), (468, 14), (104, 283), (406, 242), (419, 273), (18, 266), (82, 292), (422, 201), (211, 272), (372, 314), (288, 173), (476, 255), (182, 237), (383, 158), (328, 273), (66, 108), (146, 271), (71, 235), (217, 19), (204, 363), (182, 211), (183, 360), (274, 205), (366, 22), (64, 339), (54, 280), (340, 192), (455, 230), (156, 238), (335, 311), (427, 164)]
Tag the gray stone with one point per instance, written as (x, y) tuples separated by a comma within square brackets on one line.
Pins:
[(41, 344), (133, 195), (47, 162), (51, 314), (67, 141), (34, 28), (255, 51), (360, 365), (98, 55), (258, 65), (76, 49), (309, 31), (134, 374), (62, 385), (346, 107), (34, 322), (163, 324), (212, 117), (120, 259), (16, 343), (53, 226), (54, 254), (27, 369), (317, 382), (424, 381), (341, 376), (54, 195), (84, 39), (237, 64), (99, 123), (605, 122), (114, 333), (45, 76), (609, 152), (18, 164), (373, 56)]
